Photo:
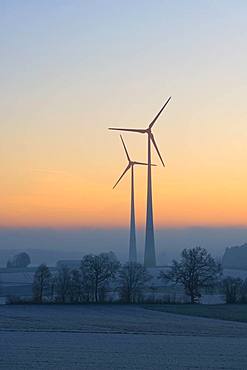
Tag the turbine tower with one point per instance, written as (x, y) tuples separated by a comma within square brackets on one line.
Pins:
[(149, 257), (132, 239)]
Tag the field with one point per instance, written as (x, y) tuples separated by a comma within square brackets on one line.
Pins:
[(116, 337), (236, 312)]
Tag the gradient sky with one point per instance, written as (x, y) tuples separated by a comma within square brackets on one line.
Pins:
[(70, 69)]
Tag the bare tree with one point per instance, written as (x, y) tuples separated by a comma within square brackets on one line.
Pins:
[(132, 281), (62, 284), (234, 290), (20, 260), (196, 270), (53, 281), (41, 282), (1, 286), (97, 271), (243, 291), (75, 286)]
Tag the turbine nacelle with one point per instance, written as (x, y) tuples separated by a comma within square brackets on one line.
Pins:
[(147, 131), (130, 164)]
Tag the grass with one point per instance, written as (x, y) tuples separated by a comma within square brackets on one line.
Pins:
[(230, 312)]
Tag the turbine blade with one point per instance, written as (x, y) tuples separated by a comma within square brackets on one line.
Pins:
[(126, 169), (156, 147), (157, 116), (144, 164), (126, 151), (141, 131)]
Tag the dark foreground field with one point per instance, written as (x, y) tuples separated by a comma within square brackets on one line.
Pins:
[(234, 312), (116, 337)]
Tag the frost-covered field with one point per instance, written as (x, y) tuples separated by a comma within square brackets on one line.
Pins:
[(116, 337)]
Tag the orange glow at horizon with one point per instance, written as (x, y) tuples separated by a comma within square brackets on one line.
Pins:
[(51, 199)]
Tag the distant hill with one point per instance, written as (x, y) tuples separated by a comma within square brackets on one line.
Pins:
[(55, 244), (38, 256), (235, 257)]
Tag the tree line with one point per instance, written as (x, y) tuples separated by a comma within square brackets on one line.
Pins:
[(90, 283), (196, 271)]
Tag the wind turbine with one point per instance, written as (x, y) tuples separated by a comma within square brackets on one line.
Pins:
[(149, 257), (132, 239)]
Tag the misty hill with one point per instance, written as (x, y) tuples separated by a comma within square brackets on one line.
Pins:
[(235, 257), (50, 245), (38, 256)]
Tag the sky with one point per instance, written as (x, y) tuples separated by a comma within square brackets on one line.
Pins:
[(71, 69)]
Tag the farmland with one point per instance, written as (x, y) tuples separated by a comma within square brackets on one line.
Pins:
[(118, 337)]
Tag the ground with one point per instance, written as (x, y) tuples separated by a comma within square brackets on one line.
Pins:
[(116, 337), (234, 312)]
